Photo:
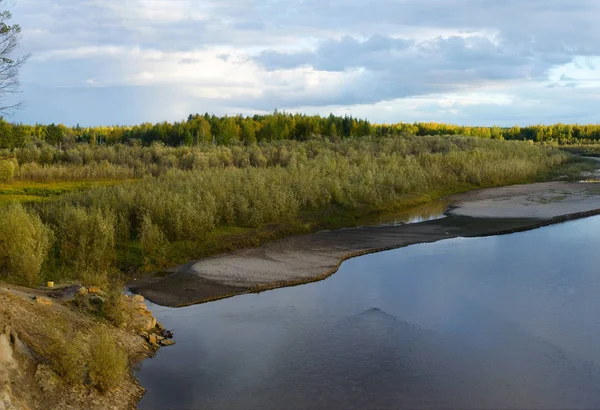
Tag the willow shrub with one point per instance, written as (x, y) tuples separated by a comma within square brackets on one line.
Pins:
[(372, 172), (83, 161), (24, 244), (85, 240), (155, 245), (7, 170), (199, 190)]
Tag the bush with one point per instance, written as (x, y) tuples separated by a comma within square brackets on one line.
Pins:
[(107, 363), (86, 240), (7, 170), (24, 244), (154, 244), (195, 191), (67, 358), (112, 309), (287, 178)]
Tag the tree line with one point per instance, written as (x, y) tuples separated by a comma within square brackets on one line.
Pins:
[(248, 130)]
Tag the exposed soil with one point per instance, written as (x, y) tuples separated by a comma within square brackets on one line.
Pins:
[(306, 258), (26, 376)]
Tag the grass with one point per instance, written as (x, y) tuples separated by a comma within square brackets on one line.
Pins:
[(30, 192)]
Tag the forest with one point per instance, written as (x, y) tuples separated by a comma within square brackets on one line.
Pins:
[(247, 130)]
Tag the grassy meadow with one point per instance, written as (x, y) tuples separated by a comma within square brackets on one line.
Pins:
[(96, 213)]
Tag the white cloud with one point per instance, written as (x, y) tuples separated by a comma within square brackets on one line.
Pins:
[(155, 11), (458, 60), (450, 101)]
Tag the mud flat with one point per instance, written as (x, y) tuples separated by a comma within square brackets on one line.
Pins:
[(302, 259)]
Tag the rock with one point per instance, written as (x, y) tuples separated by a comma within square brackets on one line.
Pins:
[(82, 291), (138, 298), (167, 334), (96, 291), (143, 323), (6, 351), (17, 345), (153, 340), (144, 312), (167, 342), (46, 378), (42, 300), (96, 299), (141, 308), (134, 304), (22, 350)]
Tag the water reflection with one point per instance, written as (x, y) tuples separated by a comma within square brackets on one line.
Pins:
[(427, 212), (495, 322)]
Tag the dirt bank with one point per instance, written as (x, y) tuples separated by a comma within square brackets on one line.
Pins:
[(307, 258), (30, 321)]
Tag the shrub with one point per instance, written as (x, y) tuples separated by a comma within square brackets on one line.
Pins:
[(107, 365), (257, 158), (112, 308), (24, 244), (7, 170), (86, 241), (194, 191), (67, 358), (154, 244)]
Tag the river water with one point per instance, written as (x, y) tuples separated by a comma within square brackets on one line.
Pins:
[(501, 322)]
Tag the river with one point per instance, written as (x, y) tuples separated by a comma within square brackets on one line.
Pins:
[(508, 321)]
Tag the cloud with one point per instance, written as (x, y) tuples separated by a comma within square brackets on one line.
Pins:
[(448, 57)]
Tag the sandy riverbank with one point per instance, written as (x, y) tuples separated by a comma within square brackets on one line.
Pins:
[(312, 257)]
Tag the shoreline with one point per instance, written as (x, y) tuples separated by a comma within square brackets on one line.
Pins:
[(302, 259)]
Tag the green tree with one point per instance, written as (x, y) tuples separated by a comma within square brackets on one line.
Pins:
[(54, 134), (248, 132), (6, 135)]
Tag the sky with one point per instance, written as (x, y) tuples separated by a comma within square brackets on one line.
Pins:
[(475, 62)]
